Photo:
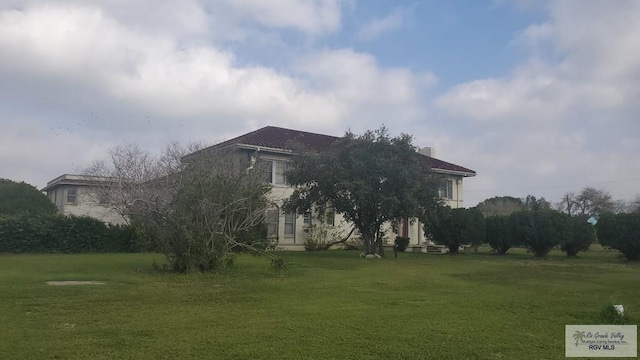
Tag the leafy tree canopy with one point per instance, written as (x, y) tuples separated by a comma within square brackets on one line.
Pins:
[(20, 197), (370, 179)]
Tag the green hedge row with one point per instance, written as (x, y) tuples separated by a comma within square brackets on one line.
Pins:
[(64, 234), (540, 231)]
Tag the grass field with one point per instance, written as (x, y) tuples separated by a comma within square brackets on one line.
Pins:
[(327, 305)]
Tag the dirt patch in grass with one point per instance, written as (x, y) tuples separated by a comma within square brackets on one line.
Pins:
[(74, 283)]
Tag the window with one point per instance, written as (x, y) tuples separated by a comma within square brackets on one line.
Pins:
[(447, 190), (289, 224), (275, 170), (72, 195), (306, 218), (331, 218), (273, 218)]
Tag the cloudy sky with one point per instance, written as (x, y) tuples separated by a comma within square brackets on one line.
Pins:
[(538, 97)]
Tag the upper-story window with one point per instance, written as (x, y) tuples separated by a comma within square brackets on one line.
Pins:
[(446, 191), (275, 170), (72, 195)]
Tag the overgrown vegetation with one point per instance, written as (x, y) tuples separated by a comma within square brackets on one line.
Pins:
[(199, 205)]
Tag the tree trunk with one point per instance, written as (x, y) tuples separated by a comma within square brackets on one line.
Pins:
[(368, 244), (379, 247)]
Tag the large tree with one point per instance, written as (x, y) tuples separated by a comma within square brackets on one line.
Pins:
[(22, 198), (588, 202), (370, 179), (196, 206)]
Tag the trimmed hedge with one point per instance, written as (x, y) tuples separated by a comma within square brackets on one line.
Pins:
[(456, 227), (540, 231), (500, 234), (63, 234), (580, 239), (621, 232)]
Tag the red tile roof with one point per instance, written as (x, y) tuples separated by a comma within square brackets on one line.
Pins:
[(286, 139)]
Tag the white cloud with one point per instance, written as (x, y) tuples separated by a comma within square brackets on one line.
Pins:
[(565, 119), (378, 26), (87, 69), (311, 16)]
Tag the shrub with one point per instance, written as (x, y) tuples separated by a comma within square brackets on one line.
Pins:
[(609, 315), (580, 237), (499, 233), (321, 236), (401, 243), (255, 237), (540, 231), (621, 232)]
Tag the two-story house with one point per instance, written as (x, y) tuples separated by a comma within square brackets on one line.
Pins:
[(74, 194), (275, 145)]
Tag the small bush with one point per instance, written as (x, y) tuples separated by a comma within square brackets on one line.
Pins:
[(279, 264), (610, 316), (321, 236), (401, 243)]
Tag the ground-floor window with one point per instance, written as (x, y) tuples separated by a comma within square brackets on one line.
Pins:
[(289, 224), (273, 218)]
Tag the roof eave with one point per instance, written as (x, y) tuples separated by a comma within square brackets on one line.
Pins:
[(454, 172)]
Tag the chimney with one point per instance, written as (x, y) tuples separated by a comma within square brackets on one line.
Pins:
[(429, 151)]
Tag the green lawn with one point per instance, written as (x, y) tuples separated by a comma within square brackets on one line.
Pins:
[(328, 305)]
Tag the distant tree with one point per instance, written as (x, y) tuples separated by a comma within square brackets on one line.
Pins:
[(456, 227), (199, 206), (370, 179), (500, 205), (630, 206), (580, 237), (499, 233), (587, 203), (20, 198), (634, 205), (542, 230), (621, 232), (531, 203)]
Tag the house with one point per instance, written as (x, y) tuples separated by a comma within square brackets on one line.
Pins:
[(276, 145), (76, 195)]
